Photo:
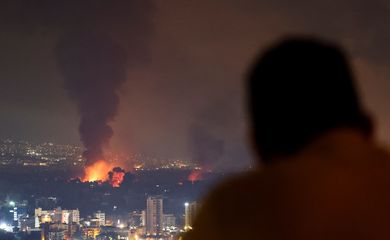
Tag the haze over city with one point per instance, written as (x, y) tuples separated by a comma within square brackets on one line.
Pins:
[(185, 67), (113, 109)]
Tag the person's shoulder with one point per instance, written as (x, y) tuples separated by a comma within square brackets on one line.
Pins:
[(232, 195), (382, 152), (237, 185), (227, 199)]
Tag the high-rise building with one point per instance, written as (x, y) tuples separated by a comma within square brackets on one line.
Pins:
[(65, 216), (169, 221), (74, 216), (154, 215), (143, 218), (101, 218), (14, 216), (190, 210), (54, 231)]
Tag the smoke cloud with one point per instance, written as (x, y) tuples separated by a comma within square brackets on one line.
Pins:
[(200, 51), (91, 41), (94, 68), (206, 148), (94, 38)]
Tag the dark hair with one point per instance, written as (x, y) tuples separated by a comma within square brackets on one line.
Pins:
[(299, 89)]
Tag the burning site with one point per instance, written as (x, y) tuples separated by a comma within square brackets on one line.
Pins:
[(94, 69), (102, 171)]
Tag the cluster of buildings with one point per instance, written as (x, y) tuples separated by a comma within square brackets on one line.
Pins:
[(27, 154), (55, 223), (24, 153)]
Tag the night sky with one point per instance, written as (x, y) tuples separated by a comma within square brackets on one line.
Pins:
[(185, 63)]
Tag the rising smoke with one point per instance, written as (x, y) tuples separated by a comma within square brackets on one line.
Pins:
[(94, 68), (206, 148), (92, 63)]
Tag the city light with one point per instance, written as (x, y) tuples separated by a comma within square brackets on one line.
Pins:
[(6, 227), (49, 218)]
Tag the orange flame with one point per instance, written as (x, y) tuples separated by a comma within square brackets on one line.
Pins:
[(100, 172), (195, 175), (117, 178), (97, 172)]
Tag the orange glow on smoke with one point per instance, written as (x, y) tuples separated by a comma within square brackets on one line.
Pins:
[(117, 178), (195, 175), (97, 172)]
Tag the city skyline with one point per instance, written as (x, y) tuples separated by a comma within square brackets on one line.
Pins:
[(188, 75), (118, 117), (51, 222)]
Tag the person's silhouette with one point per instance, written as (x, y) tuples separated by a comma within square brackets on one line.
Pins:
[(323, 175)]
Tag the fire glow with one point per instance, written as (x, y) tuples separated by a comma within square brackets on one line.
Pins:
[(195, 175), (97, 172), (101, 171), (117, 176)]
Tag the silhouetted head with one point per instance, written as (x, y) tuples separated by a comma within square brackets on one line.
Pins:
[(298, 90)]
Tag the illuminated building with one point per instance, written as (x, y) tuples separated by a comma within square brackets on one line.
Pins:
[(143, 218), (65, 216), (101, 218), (14, 212), (189, 214), (25, 223), (56, 231), (11, 212), (56, 216), (59, 234), (169, 221), (74, 216), (93, 222), (154, 215), (135, 234), (41, 216), (90, 232), (109, 222)]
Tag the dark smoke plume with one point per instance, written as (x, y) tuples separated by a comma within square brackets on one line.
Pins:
[(94, 68), (92, 63)]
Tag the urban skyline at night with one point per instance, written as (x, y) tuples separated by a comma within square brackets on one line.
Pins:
[(119, 117), (42, 199)]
